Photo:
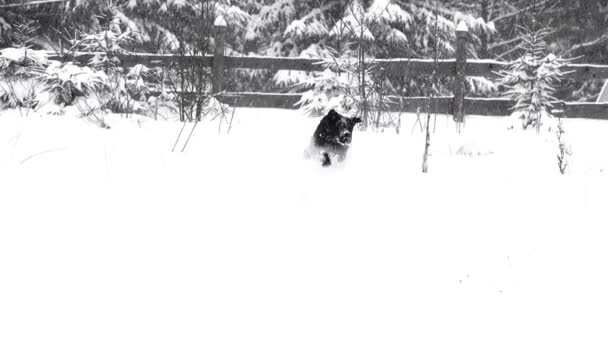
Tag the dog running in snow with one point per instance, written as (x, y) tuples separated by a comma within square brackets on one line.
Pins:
[(332, 138)]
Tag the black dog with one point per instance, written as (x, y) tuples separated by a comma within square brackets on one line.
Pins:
[(332, 137)]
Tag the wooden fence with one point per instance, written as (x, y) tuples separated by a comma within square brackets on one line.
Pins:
[(460, 67)]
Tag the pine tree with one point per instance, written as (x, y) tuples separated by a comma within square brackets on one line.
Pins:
[(578, 30), (530, 80)]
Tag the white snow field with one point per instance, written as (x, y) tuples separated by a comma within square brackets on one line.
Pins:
[(106, 235)]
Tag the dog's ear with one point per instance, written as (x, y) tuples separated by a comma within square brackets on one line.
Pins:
[(355, 120), (333, 114)]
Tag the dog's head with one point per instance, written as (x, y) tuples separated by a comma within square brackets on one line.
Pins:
[(343, 127)]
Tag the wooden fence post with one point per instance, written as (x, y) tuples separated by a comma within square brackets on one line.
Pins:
[(483, 36), (461, 60), (220, 29)]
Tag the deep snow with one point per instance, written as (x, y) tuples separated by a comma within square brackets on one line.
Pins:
[(108, 236)]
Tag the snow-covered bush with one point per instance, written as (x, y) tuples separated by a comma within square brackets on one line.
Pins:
[(116, 89), (21, 95), (68, 81), (20, 70), (334, 87), (140, 91), (117, 99), (107, 48), (21, 63), (139, 80), (328, 91), (162, 105), (338, 87)]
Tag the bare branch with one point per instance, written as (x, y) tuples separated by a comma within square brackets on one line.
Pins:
[(513, 14), (587, 44)]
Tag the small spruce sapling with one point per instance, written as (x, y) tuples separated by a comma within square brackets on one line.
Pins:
[(564, 152), (67, 82), (530, 80), (20, 69)]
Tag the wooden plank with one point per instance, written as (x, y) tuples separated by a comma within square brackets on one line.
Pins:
[(409, 105), (150, 60), (417, 67), (586, 71), (481, 67), (275, 63), (487, 107), (445, 67), (398, 66), (31, 3), (261, 100), (502, 107), (444, 105), (437, 105), (489, 68), (586, 110), (484, 67), (394, 66)]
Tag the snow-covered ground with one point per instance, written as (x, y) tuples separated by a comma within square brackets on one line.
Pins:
[(106, 235)]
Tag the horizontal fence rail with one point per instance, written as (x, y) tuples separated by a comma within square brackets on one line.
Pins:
[(437, 105), (30, 3), (397, 66), (394, 66)]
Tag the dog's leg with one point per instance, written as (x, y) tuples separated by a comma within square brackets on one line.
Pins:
[(325, 160)]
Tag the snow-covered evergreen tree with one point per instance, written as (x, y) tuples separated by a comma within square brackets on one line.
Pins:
[(389, 28), (530, 80), (373, 29)]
